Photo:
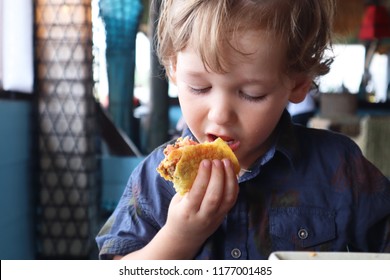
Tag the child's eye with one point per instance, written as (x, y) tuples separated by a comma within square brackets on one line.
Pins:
[(199, 90), (252, 98)]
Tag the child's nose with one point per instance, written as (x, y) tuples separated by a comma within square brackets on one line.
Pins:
[(222, 112)]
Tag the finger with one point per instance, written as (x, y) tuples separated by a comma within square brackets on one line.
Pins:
[(215, 190), (231, 187), (176, 199), (199, 187)]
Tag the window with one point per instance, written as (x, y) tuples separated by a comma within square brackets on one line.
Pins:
[(347, 71)]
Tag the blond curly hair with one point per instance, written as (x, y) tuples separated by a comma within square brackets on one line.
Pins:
[(303, 26)]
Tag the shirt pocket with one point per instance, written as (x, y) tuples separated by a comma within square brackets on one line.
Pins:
[(301, 227)]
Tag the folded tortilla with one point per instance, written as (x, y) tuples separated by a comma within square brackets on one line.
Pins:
[(182, 160)]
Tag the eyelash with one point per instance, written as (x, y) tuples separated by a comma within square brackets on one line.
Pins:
[(199, 91), (241, 94), (251, 98)]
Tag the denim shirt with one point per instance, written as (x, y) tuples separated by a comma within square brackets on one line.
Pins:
[(313, 190)]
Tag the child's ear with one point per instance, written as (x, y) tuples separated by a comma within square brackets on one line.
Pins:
[(301, 88)]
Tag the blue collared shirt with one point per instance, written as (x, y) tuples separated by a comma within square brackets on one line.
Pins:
[(313, 190)]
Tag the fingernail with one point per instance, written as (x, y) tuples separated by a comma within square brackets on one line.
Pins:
[(206, 163), (226, 162)]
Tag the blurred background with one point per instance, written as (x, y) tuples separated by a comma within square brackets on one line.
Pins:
[(83, 100)]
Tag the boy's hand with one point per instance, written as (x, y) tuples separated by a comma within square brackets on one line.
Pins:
[(192, 218)]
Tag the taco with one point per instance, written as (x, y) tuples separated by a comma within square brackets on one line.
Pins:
[(182, 160)]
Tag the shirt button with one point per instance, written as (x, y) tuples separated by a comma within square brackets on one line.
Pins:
[(236, 253), (303, 234)]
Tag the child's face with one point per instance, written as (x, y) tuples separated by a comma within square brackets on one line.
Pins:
[(243, 105)]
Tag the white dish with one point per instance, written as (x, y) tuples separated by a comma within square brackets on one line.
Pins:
[(285, 255)]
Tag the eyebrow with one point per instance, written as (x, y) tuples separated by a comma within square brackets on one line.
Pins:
[(251, 80), (254, 81), (193, 73), (257, 80)]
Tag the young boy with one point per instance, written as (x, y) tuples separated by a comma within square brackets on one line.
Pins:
[(236, 65)]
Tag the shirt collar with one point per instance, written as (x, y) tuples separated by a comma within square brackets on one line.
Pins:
[(187, 132), (287, 142)]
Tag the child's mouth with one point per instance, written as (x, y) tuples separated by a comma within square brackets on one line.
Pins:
[(232, 143)]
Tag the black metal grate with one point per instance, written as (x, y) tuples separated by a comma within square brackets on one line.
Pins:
[(68, 195)]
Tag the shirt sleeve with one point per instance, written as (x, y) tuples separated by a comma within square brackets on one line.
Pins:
[(371, 192), (140, 213)]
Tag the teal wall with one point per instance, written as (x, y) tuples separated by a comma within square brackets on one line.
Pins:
[(16, 180)]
